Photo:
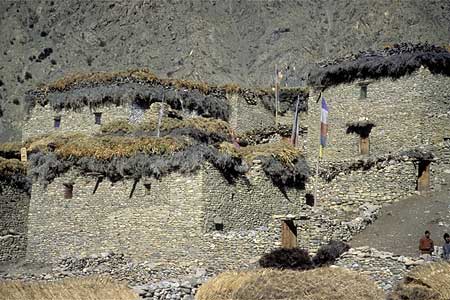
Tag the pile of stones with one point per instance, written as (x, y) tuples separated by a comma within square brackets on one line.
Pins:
[(386, 268)]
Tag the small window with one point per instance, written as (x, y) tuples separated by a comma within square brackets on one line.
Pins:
[(309, 199), (148, 187), (57, 122), (363, 92), (68, 190), (98, 118), (218, 224)]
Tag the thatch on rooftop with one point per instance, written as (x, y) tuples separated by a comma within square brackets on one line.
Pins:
[(204, 130), (393, 62), (118, 157), (117, 88), (10, 150), (13, 172), (362, 128)]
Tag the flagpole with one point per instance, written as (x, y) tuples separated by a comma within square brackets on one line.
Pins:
[(276, 95), (318, 157)]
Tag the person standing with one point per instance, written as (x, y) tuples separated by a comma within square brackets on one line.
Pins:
[(426, 246), (446, 246)]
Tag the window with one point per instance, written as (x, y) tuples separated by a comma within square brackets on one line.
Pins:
[(98, 118), (68, 190), (309, 199), (148, 187), (57, 122), (218, 224), (363, 91)]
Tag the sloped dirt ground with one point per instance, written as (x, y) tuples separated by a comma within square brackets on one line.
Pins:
[(402, 224)]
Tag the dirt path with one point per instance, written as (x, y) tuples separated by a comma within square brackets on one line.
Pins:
[(400, 225)]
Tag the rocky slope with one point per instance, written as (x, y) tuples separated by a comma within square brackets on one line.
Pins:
[(215, 41)]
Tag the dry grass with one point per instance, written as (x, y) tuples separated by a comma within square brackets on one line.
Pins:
[(104, 147), (98, 77), (147, 76), (206, 125), (317, 284), (94, 288), (281, 151), (9, 167), (426, 282)]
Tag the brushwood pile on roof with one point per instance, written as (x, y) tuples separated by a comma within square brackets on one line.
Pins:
[(394, 62), (118, 157), (97, 89)]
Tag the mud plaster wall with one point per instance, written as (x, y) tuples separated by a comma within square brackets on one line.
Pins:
[(14, 204)]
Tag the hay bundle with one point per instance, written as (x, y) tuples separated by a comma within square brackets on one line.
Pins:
[(317, 284), (426, 282), (92, 288)]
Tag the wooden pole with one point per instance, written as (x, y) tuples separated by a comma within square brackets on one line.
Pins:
[(276, 94), (161, 112), (318, 157)]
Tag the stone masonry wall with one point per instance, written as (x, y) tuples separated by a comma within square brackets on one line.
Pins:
[(162, 223), (408, 112), (41, 120), (14, 205), (244, 117), (247, 204)]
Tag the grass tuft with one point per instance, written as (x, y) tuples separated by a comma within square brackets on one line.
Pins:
[(91, 288)]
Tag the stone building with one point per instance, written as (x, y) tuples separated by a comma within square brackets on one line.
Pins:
[(388, 138)]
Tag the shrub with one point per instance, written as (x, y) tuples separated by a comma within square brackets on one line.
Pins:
[(327, 254), (295, 259)]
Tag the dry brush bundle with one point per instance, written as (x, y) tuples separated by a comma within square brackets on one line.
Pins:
[(281, 161), (14, 173), (426, 282), (10, 150), (90, 288), (394, 62), (322, 283), (205, 130)]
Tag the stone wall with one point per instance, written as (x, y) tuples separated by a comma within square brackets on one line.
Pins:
[(408, 112), (162, 222), (41, 120), (245, 116), (249, 202), (14, 205)]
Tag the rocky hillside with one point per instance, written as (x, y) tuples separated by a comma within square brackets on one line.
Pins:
[(211, 40)]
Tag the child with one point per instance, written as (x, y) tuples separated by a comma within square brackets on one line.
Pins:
[(446, 246)]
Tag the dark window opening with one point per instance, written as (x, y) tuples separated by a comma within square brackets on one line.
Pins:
[(68, 190), (98, 118), (309, 199), (218, 224), (363, 92), (57, 122), (148, 187)]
